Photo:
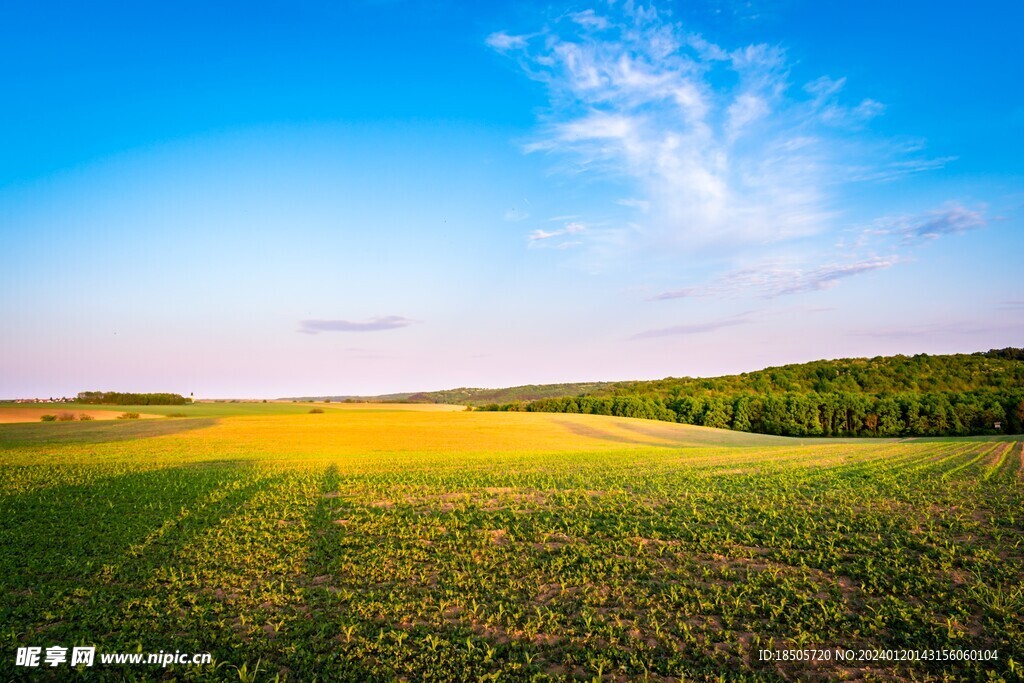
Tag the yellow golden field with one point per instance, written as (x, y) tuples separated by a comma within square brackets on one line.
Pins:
[(390, 542)]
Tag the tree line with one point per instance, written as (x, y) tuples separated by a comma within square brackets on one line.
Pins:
[(813, 413), (127, 399), (998, 369)]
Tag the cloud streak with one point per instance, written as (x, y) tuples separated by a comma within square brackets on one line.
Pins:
[(897, 235), (772, 281), (378, 324), (951, 219), (690, 329), (502, 41), (571, 228)]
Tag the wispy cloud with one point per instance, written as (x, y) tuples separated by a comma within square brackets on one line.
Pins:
[(895, 168), (690, 328), (590, 20), (638, 97), (951, 219), (831, 110), (389, 322), (571, 228), (502, 41), (899, 236), (640, 204), (772, 281)]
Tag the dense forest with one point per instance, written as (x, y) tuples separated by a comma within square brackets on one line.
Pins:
[(122, 399), (920, 395)]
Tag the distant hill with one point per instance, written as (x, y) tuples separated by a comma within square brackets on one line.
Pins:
[(352, 398), (883, 396), (995, 369), (470, 396), (921, 395), (922, 373)]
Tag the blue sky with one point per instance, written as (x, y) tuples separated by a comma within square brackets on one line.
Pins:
[(349, 198)]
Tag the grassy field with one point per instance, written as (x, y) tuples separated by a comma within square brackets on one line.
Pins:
[(390, 542), (201, 409)]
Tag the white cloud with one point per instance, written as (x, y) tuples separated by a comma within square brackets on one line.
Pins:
[(537, 235), (641, 204), (869, 109), (589, 19), (955, 219), (745, 110), (502, 41), (898, 236), (571, 228), (635, 97), (824, 87)]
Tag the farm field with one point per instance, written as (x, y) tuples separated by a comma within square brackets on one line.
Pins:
[(11, 415), (390, 542)]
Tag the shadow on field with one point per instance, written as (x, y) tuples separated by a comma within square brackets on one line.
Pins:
[(692, 435), (591, 432), (57, 433), (318, 645), (80, 556)]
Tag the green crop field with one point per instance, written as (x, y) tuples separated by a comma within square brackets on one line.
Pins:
[(387, 542)]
